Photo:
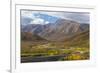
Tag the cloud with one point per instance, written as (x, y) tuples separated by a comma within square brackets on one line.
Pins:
[(34, 18), (82, 17), (47, 22), (28, 14), (55, 14), (37, 21)]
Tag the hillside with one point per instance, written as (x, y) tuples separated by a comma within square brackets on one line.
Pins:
[(80, 40), (65, 40), (28, 36)]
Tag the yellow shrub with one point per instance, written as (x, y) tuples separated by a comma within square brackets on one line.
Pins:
[(74, 57)]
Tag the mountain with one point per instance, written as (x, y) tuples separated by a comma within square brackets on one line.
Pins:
[(28, 36), (61, 30), (35, 28), (81, 39), (84, 26)]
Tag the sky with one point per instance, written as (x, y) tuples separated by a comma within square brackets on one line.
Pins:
[(45, 17)]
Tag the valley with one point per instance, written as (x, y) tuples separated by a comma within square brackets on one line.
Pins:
[(62, 40), (38, 50)]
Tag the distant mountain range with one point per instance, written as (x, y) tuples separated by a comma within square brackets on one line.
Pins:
[(61, 30)]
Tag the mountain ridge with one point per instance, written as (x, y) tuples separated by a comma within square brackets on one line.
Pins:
[(61, 30)]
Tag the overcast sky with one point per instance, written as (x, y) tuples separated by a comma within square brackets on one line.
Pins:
[(44, 17)]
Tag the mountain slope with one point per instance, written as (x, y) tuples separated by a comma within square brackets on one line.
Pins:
[(61, 30), (80, 40), (28, 36)]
